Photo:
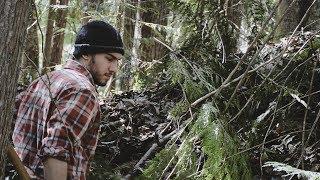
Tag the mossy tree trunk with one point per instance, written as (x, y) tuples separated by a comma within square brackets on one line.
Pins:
[(128, 32), (291, 12), (30, 58), (229, 25), (120, 26), (14, 18), (155, 13), (49, 35), (313, 22), (58, 38), (136, 54)]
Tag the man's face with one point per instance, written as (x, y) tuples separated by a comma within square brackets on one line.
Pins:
[(103, 66)]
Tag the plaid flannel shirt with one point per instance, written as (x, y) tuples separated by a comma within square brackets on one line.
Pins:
[(58, 116)]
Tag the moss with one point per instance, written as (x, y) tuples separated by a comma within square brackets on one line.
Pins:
[(181, 107), (157, 164)]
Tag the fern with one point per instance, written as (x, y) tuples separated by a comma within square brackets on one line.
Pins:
[(291, 171), (207, 137)]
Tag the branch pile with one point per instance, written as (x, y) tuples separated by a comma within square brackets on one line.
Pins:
[(132, 124)]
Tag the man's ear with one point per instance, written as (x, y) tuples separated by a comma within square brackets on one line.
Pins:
[(86, 57)]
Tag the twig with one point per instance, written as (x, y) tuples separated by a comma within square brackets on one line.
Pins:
[(267, 142), (227, 81), (294, 100), (116, 123), (251, 97), (168, 165), (151, 151), (305, 115), (301, 21), (242, 109), (304, 62), (304, 123), (256, 56), (269, 128), (174, 168), (178, 135)]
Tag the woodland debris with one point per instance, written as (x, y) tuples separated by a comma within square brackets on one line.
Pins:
[(135, 124)]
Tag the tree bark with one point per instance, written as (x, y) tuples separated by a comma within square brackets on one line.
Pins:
[(14, 15), (292, 15), (120, 26), (49, 35), (229, 25), (30, 58), (58, 38), (313, 22), (154, 12), (128, 32), (136, 39)]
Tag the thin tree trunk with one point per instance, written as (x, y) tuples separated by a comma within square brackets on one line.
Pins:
[(128, 32), (49, 35), (14, 16), (154, 12), (229, 25), (120, 27), (30, 58), (58, 38), (136, 43)]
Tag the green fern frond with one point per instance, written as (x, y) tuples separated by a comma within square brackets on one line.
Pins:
[(291, 171)]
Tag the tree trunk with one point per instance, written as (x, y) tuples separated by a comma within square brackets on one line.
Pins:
[(49, 35), (128, 31), (313, 22), (154, 12), (58, 38), (229, 25), (136, 39), (292, 15), (30, 58), (120, 27), (14, 16)]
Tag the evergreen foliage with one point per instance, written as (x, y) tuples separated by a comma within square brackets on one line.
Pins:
[(270, 99), (203, 153), (269, 94), (291, 171)]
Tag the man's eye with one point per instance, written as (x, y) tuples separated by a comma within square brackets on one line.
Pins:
[(109, 59)]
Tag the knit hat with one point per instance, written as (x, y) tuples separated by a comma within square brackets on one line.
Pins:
[(97, 37)]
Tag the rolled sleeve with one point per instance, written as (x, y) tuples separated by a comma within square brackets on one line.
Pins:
[(72, 114)]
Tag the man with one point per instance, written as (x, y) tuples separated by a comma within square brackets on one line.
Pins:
[(57, 119)]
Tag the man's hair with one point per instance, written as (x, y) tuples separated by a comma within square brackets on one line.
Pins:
[(97, 37)]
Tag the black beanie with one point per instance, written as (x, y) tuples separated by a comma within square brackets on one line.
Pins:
[(97, 37)]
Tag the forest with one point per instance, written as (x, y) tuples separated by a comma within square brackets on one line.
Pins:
[(207, 89)]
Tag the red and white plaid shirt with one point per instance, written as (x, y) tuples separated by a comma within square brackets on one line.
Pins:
[(58, 116)]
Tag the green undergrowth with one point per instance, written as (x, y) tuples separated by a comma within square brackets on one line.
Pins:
[(206, 151)]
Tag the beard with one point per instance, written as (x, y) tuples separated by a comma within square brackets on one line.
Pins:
[(98, 82), (95, 74)]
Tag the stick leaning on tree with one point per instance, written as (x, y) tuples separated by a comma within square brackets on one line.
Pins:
[(15, 160)]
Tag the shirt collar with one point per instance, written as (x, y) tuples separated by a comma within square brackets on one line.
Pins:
[(77, 66)]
